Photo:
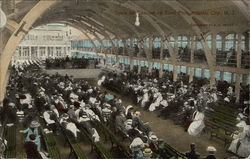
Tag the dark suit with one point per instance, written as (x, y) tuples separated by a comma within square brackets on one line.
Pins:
[(192, 155), (31, 150), (210, 157)]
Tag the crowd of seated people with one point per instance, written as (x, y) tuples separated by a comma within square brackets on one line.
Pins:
[(69, 63), (66, 104), (184, 103)]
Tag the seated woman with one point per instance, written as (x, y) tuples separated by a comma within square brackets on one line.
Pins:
[(241, 143), (69, 126), (33, 130), (136, 147), (197, 125)]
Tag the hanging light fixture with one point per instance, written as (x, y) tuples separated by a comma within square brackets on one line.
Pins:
[(137, 22), (3, 18)]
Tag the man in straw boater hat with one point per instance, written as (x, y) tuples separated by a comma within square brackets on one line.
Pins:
[(211, 152), (147, 153), (33, 129)]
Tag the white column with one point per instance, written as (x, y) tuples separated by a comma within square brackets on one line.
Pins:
[(30, 52), (38, 52), (46, 52)]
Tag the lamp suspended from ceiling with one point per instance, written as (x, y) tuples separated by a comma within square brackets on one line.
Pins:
[(3, 18), (137, 22)]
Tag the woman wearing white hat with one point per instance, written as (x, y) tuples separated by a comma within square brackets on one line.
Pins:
[(244, 141), (136, 147)]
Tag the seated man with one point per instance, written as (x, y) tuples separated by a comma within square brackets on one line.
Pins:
[(137, 123), (50, 117), (192, 154), (31, 148), (120, 122), (211, 153)]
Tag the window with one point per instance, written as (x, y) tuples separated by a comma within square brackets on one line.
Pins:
[(207, 74), (197, 72), (209, 41), (230, 41), (218, 42), (198, 45), (182, 41), (157, 43)]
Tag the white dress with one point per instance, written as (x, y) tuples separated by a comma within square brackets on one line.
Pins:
[(234, 143), (244, 148), (72, 127), (197, 125), (144, 99)]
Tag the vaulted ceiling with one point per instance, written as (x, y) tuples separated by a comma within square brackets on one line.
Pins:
[(116, 18)]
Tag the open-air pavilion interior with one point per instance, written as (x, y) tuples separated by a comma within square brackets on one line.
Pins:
[(138, 79)]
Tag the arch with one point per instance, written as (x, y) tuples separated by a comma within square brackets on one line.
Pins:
[(24, 26)]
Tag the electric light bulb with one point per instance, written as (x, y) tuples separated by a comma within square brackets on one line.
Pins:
[(137, 22)]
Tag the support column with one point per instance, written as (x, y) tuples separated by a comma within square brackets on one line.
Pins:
[(234, 42), (191, 70), (124, 46), (1, 52), (221, 76), (38, 53), (21, 49), (131, 54), (54, 51), (191, 74), (149, 55), (212, 79), (247, 40), (232, 77), (150, 65), (139, 66), (46, 51), (202, 73), (237, 82), (175, 74), (161, 70), (213, 47), (23, 55), (131, 63), (161, 58), (223, 47)]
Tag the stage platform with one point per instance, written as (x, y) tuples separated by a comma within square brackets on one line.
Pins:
[(77, 73)]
